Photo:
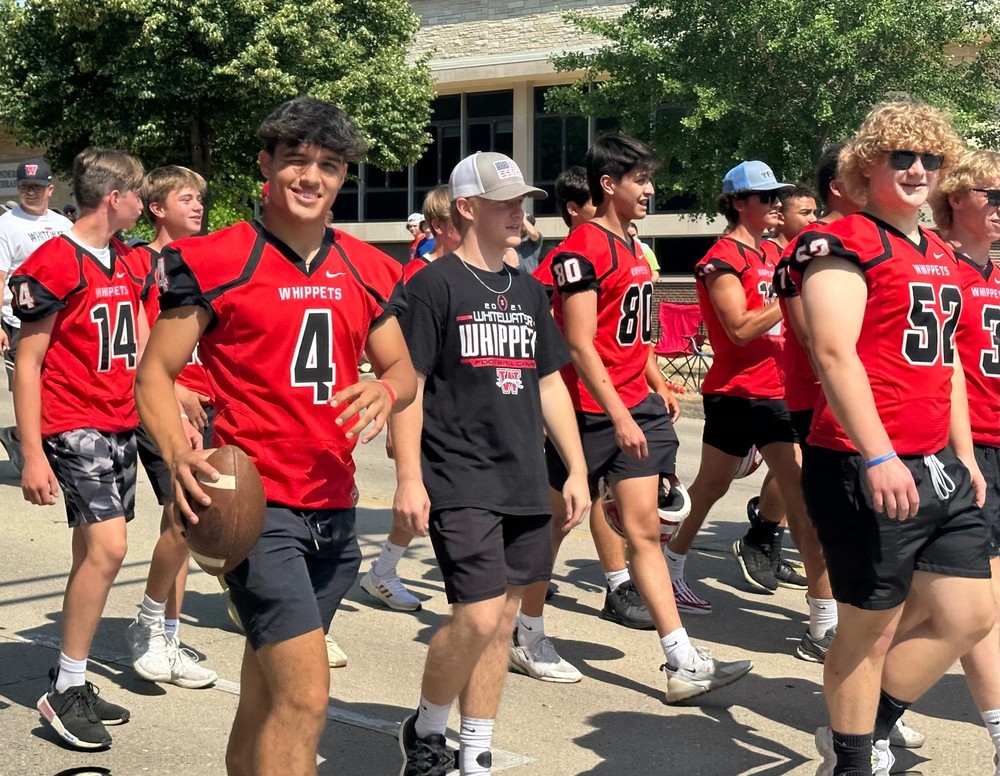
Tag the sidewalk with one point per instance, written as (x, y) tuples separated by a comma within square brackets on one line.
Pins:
[(614, 723)]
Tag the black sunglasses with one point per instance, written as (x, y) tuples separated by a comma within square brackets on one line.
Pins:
[(992, 196), (765, 197), (903, 160)]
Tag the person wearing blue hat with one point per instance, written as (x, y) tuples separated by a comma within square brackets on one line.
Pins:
[(744, 394)]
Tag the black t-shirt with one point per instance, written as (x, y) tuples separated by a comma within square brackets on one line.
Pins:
[(483, 347)]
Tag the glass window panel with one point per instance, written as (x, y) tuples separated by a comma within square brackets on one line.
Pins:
[(345, 207), (548, 148), (479, 137), (386, 206), (447, 108), (425, 171), (489, 104), (503, 141), (451, 150), (399, 179), (576, 141)]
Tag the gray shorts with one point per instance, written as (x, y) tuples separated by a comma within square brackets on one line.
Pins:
[(13, 336), (96, 471), (296, 575)]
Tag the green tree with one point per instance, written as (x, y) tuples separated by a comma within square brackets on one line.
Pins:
[(713, 82), (187, 81)]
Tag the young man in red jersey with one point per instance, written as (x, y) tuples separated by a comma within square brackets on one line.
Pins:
[(382, 581), (895, 503), (743, 392), (78, 299), (287, 394), (966, 207), (603, 304), (469, 455), (173, 198)]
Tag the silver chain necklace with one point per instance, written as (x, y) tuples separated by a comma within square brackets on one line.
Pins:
[(510, 279)]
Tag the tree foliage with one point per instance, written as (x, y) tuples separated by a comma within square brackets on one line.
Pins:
[(187, 81), (714, 82)]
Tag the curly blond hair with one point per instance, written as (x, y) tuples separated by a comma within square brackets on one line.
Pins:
[(975, 170), (896, 126)]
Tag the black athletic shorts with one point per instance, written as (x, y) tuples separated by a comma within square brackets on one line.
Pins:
[(801, 423), (156, 468), (871, 559), (297, 574), (482, 553), (734, 424), (988, 459), (96, 472), (605, 458)]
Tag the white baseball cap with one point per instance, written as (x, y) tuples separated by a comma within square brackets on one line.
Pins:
[(414, 219), (490, 175)]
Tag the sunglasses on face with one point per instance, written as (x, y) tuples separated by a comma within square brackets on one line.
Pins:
[(903, 160), (765, 197), (992, 196)]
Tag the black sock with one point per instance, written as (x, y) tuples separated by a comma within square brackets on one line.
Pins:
[(761, 531), (777, 540), (889, 710), (854, 754)]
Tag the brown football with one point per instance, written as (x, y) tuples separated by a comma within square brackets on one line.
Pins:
[(228, 528)]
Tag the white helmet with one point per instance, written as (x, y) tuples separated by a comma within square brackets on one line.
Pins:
[(673, 505), (748, 464)]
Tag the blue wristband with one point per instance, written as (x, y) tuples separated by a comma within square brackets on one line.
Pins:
[(881, 459)]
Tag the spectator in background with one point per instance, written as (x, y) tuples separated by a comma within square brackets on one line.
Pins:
[(69, 210), (654, 265), (413, 226), (526, 255), (427, 242), (798, 210)]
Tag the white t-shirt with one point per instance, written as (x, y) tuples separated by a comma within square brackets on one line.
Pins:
[(20, 235)]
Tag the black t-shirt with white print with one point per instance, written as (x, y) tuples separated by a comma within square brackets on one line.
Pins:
[(483, 347)]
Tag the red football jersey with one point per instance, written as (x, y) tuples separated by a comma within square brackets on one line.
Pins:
[(978, 342), (413, 266), (88, 375), (907, 340), (193, 376), (802, 387), (749, 370), (594, 259), (282, 340), (543, 272)]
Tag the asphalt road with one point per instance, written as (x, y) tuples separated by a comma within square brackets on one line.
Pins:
[(614, 722)]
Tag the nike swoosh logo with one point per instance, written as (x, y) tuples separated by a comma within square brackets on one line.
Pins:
[(120, 275), (527, 627), (468, 729), (938, 255), (335, 274)]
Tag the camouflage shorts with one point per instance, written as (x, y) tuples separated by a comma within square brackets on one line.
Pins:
[(96, 471)]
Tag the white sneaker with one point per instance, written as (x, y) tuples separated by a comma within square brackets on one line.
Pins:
[(184, 668), (882, 758), (541, 661), (149, 649), (904, 736), (391, 592), (701, 673), (335, 656)]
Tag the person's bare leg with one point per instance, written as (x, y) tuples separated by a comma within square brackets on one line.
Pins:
[(254, 707), (169, 558), (715, 475), (610, 546), (98, 552), (533, 600), (982, 663), (480, 697), (297, 678)]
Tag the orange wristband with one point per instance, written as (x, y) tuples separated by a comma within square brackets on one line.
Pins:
[(388, 389)]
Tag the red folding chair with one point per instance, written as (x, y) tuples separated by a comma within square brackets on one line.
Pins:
[(681, 344)]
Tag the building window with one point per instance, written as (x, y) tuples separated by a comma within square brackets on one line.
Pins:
[(445, 150), (489, 122), (560, 142)]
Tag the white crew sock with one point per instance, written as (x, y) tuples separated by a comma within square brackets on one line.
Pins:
[(475, 739), (151, 611), (72, 673), (529, 629), (387, 560), (173, 628), (822, 615), (675, 564), (992, 720), (677, 647), (432, 719), (617, 578)]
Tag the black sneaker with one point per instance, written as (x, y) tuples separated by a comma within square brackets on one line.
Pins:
[(755, 564), (786, 574), (12, 445), (625, 607), (429, 756), (72, 715), (109, 713)]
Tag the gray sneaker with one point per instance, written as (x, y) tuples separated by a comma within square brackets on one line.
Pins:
[(541, 661), (184, 668), (12, 445), (701, 673), (624, 606), (814, 650)]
